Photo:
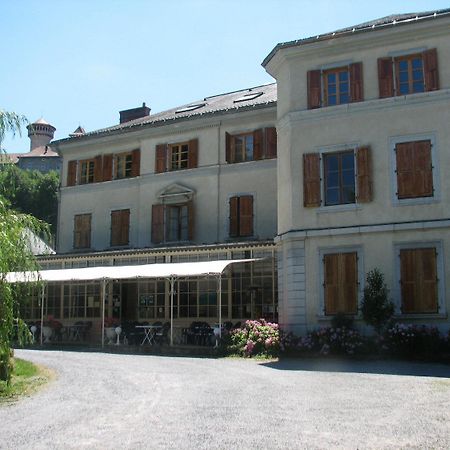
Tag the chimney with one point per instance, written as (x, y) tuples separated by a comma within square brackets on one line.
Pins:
[(134, 113)]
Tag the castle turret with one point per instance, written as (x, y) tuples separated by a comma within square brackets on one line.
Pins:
[(40, 133)]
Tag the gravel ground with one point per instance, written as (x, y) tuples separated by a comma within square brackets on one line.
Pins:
[(101, 400)]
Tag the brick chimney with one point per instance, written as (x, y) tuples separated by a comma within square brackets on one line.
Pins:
[(134, 113)]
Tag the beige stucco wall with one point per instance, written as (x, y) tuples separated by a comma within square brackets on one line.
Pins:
[(213, 182)]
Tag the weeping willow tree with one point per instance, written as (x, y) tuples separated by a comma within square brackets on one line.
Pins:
[(15, 256)]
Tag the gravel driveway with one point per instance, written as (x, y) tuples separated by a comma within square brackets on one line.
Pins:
[(102, 400)]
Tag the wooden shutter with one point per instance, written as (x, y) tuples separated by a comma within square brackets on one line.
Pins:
[(257, 144), (136, 163), (98, 169), (234, 221), (246, 215), (311, 179), (191, 220), (385, 77), (364, 175), (193, 154), (271, 142), (161, 158), (72, 173), (228, 139), (430, 66), (120, 227), (107, 167), (341, 283), (414, 169), (356, 82), (418, 273), (82, 231), (314, 89), (157, 224)]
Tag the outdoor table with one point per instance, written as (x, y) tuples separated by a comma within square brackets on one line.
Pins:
[(149, 331)]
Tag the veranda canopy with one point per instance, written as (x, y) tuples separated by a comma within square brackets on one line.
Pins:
[(170, 271)]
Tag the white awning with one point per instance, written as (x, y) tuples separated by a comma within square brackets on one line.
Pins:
[(168, 270)]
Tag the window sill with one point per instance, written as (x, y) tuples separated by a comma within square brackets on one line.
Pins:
[(329, 318), (415, 201), (421, 316), (338, 208)]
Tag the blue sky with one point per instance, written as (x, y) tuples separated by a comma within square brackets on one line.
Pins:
[(81, 62)]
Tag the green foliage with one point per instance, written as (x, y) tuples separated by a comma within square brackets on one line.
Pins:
[(10, 122), (255, 338), (31, 192), (341, 320), (15, 256), (376, 308)]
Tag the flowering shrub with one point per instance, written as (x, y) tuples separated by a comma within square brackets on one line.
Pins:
[(412, 339), (331, 340), (255, 338)]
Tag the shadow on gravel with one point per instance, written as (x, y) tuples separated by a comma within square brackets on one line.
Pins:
[(386, 367)]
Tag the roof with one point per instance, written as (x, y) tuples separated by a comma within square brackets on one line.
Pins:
[(44, 151), (373, 25), (40, 121), (6, 158), (242, 100)]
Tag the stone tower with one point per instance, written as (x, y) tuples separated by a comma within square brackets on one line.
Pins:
[(40, 133)]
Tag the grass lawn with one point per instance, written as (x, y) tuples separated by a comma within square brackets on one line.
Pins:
[(27, 378)]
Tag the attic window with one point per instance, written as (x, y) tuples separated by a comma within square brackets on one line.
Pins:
[(247, 97), (190, 108)]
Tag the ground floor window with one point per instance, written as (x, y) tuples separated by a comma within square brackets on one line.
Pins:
[(152, 298), (82, 300)]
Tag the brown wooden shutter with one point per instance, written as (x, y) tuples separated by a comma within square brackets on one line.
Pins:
[(348, 281), (364, 175), (77, 226), (161, 158), (257, 144), (115, 228), (191, 220), (120, 227), (72, 173), (136, 163), (430, 66), (311, 179), (157, 224), (385, 77), (234, 220), (271, 142), (193, 154), (356, 82), (404, 154), (418, 273), (125, 227), (228, 156), (107, 167), (246, 215), (314, 89), (98, 169), (331, 283)]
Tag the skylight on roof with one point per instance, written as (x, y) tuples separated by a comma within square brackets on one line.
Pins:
[(247, 97), (190, 108)]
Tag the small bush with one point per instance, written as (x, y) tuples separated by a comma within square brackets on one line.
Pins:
[(341, 320), (255, 338)]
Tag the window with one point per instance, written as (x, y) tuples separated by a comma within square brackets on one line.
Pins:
[(123, 165), (172, 223), (151, 299), (347, 177), (414, 169), (178, 156), (87, 171), (120, 227), (408, 74), (82, 231), (419, 280), (241, 216), (335, 86), (251, 146), (340, 282), (339, 176)]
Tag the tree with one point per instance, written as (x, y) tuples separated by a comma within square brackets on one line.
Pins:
[(376, 307), (10, 122), (15, 255)]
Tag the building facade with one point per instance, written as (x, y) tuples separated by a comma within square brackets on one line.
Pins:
[(363, 138)]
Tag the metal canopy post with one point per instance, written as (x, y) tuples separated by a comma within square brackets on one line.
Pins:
[(42, 311), (172, 287), (219, 288), (103, 310)]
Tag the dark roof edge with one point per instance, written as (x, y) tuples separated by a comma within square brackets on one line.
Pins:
[(158, 123), (353, 30)]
